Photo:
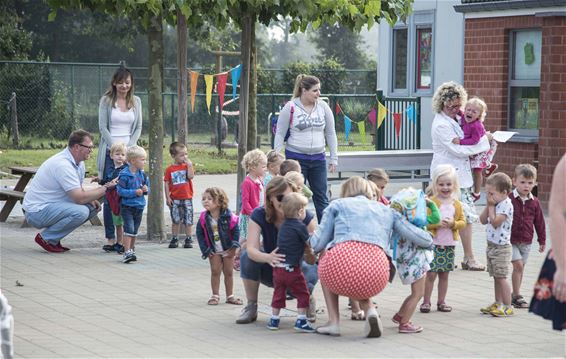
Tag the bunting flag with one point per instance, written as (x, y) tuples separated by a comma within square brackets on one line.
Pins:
[(397, 119), (372, 116), (362, 129), (208, 82), (381, 113), (221, 87), (347, 126), (194, 81), (411, 115), (338, 109), (235, 74)]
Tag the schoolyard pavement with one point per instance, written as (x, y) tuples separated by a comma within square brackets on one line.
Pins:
[(85, 303)]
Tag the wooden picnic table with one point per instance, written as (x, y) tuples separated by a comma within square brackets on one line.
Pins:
[(17, 194)]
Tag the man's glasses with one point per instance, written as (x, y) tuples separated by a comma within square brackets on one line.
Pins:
[(90, 148)]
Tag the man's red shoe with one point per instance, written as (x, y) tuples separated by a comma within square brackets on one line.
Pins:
[(46, 245)]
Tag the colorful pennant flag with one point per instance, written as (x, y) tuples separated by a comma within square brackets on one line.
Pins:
[(235, 74), (338, 109), (411, 115), (381, 113), (347, 126), (208, 82), (372, 116), (362, 129), (221, 87), (194, 81), (397, 120)]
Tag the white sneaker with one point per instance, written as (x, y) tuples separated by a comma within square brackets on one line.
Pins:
[(373, 326)]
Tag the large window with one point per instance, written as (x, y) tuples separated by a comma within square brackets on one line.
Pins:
[(412, 51), (524, 81)]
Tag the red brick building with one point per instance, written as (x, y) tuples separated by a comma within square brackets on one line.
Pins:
[(515, 59)]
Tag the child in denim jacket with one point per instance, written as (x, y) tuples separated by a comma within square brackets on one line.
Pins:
[(132, 186)]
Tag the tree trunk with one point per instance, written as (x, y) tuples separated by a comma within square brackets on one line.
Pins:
[(182, 126), (244, 97), (155, 217), (252, 110)]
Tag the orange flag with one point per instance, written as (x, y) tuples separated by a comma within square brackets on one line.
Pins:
[(194, 81)]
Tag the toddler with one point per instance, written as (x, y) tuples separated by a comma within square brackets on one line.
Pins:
[(291, 240), (294, 166), (527, 216), (179, 193), (218, 238), (412, 262), (118, 156), (299, 181), (498, 216), (446, 191), (132, 186), (472, 125), (274, 160), (381, 179), (255, 163)]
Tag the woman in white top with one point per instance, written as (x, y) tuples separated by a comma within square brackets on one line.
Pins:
[(119, 120), (447, 102)]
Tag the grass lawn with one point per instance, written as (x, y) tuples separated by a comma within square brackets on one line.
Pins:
[(204, 157)]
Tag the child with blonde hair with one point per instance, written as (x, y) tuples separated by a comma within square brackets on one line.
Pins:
[(218, 238), (380, 178), (498, 218), (298, 179), (255, 164), (118, 156), (287, 275), (133, 186), (274, 160), (445, 189), (472, 125)]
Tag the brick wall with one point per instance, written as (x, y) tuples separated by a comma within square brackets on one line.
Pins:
[(486, 68)]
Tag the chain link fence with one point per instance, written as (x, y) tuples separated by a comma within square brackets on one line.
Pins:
[(41, 103)]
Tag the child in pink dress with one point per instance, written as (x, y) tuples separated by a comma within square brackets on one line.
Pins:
[(472, 125)]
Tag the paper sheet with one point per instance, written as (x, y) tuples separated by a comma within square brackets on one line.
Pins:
[(503, 136)]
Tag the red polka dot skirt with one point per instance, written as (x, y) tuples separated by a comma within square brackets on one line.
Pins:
[(354, 269)]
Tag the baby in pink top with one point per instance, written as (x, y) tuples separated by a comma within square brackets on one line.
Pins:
[(472, 126)]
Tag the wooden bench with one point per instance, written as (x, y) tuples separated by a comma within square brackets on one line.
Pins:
[(5, 194), (406, 166)]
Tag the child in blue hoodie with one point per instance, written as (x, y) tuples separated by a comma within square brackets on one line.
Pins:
[(132, 186)]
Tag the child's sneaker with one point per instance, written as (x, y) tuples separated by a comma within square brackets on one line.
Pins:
[(174, 243), (303, 325), (129, 256), (489, 170), (109, 247), (273, 324), (119, 248), (476, 196), (503, 311), (188, 243), (519, 302), (410, 328), (489, 308)]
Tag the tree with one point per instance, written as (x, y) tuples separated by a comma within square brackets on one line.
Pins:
[(341, 44), (15, 42)]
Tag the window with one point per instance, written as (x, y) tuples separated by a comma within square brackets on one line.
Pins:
[(524, 81), (412, 55), (400, 59)]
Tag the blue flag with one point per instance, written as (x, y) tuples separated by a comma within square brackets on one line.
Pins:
[(347, 126), (411, 115), (235, 74)]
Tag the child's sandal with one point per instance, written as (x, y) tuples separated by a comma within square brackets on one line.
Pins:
[(443, 307), (358, 316), (214, 300), (233, 300), (425, 308)]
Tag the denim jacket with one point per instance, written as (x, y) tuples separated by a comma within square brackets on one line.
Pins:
[(364, 220), (229, 238), (128, 183)]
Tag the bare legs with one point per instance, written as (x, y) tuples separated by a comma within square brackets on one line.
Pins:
[(410, 303)]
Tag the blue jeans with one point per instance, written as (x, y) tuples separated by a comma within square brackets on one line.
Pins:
[(60, 219), (317, 178), (132, 219), (263, 272), (109, 230)]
